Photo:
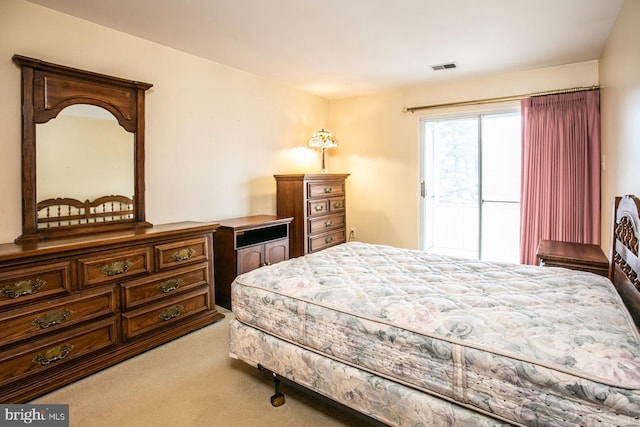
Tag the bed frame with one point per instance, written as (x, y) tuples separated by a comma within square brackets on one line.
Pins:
[(625, 264)]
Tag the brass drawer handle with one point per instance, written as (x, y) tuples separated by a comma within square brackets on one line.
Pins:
[(118, 267), (171, 313), (328, 223), (52, 318), (337, 205), (328, 190), (183, 254), (328, 239), (22, 288), (53, 355), (169, 285), (318, 208)]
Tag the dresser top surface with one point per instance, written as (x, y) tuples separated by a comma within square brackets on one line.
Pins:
[(254, 221), (312, 176), (568, 251), (10, 251)]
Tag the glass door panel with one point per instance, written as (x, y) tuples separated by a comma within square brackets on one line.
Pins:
[(501, 187), (501, 231), (471, 186), (451, 187)]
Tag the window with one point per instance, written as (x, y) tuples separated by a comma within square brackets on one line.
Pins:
[(471, 186)]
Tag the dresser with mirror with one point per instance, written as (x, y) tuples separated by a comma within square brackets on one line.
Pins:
[(90, 282)]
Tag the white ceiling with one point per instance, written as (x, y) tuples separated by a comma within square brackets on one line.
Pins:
[(340, 48)]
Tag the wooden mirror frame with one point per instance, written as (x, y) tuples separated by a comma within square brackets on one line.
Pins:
[(46, 90)]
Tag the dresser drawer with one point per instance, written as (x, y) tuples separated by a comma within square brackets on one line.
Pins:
[(33, 358), (158, 286), (34, 283), (47, 317), (158, 316), (318, 207), (110, 266), (325, 189), (336, 205), (320, 225), (323, 241), (179, 253)]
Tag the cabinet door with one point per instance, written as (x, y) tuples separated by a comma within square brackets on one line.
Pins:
[(250, 258), (276, 251)]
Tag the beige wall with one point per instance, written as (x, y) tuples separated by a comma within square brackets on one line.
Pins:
[(215, 135), (380, 146), (620, 112)]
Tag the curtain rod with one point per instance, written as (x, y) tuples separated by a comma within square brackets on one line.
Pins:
[(500, 99)]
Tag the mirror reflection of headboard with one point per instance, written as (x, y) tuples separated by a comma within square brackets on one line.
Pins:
[(47, 90)]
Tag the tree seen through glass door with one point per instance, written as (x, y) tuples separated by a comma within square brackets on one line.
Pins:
[(471, 186)]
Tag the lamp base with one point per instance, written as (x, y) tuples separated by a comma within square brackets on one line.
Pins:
[(324, 167)]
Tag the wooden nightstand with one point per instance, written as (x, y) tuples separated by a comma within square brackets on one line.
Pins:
[(244, 244), (577, 256)]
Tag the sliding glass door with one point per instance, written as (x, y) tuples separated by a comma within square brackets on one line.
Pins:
[(470, 169)]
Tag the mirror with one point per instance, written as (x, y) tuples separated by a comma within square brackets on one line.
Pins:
[(82, 151), (83, 154)]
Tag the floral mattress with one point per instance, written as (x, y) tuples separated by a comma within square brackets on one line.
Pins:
[(533, 345)]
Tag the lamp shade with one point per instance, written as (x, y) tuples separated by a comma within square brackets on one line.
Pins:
[(322, 139)]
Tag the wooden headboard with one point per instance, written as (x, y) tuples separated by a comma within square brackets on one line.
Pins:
[(625, 265)]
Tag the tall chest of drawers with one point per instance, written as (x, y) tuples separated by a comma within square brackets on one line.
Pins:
[(317, 203), (70, 308)]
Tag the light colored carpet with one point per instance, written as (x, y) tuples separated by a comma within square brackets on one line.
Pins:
[(190, 381)]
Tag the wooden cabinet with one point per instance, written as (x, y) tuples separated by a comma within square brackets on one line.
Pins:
[(69, 308), (577, 256), (317, 203), (244, 244), (260, 255)]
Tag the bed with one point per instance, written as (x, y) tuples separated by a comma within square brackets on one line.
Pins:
[(410, 338)]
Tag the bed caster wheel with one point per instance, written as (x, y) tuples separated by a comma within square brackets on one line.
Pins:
[(277, 400)]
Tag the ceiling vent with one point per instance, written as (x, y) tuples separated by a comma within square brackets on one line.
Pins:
[(447, 66)]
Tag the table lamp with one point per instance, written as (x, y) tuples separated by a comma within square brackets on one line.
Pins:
[(323, 139)]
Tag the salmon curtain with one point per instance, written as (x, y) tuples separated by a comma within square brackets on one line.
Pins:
[(560, 198)]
